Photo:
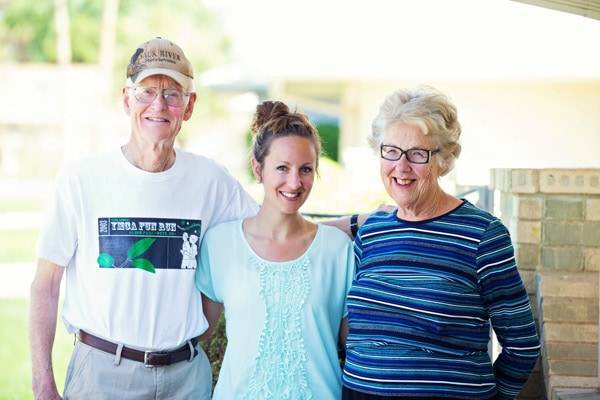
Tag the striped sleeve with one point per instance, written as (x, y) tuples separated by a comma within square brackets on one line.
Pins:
[(358, 249), (508, 306)]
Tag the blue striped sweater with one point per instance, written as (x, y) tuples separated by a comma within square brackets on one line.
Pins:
[(421, 304)]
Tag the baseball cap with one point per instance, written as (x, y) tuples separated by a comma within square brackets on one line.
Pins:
[(160, 56)]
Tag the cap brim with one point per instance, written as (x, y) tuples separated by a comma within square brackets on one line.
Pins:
[(186, 82)]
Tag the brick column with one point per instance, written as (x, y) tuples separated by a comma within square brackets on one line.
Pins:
[(553, 216)]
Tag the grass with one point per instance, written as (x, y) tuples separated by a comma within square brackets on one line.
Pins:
[(22, 204), (18, 245), (15, 360)]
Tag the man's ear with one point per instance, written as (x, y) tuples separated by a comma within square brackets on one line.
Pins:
[(257, 170), (189, 109), (126, 100)]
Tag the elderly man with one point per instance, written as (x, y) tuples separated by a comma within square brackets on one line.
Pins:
[(124, 226)]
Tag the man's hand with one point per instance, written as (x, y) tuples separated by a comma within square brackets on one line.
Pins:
[(46, 391)]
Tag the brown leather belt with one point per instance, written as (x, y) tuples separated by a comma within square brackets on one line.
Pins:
[(148, 358)]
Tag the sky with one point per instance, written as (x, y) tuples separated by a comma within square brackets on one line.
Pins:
[(433, 39)]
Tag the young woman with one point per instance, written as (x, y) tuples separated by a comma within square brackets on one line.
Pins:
[(281, 279)]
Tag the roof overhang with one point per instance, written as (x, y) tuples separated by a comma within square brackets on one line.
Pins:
[(585, 8)]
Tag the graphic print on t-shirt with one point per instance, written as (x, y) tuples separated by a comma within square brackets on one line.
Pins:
[(148, 243)]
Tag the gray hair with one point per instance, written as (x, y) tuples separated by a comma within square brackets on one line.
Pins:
[(431, 111)]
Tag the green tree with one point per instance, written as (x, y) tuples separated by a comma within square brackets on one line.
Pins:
[(27, 31), (28, 34), (86, 22)]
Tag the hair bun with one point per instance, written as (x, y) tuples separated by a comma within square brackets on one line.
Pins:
[(267, 111)]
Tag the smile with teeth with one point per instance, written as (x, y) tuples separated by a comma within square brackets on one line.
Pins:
[(403, 182), (156, 119), (289, 195)]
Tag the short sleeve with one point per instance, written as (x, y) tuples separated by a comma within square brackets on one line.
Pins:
[(59, 237), (237, 205), (204, 274), (241, 205)]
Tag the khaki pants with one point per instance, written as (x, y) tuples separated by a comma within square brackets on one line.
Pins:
[(94, 374)]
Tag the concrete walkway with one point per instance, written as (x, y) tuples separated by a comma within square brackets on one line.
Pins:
[(21, 220), (18, 276)]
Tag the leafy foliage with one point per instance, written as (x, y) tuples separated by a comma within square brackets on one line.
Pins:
[(215, 348), (86, 21), (330, 135), (27, 28), (28, 34), (27, 31)]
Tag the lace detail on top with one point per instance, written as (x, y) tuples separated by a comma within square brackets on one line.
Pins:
[(279, 372)]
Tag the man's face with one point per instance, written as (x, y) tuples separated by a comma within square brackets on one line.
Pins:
[(157, 122)]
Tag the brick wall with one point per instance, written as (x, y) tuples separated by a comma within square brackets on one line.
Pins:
[(554, 219)]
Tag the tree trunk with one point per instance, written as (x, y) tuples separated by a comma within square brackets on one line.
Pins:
[(108, 34), (62, 27)]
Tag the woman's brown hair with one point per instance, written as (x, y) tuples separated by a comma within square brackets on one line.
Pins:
[(272, 120)]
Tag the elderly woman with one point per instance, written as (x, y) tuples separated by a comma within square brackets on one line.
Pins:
[(432, 274)]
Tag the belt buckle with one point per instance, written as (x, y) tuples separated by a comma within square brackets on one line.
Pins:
[(156, 359), (146, 359)]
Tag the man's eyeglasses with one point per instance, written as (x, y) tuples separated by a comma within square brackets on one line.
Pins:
[(415, 156), (147, 94)]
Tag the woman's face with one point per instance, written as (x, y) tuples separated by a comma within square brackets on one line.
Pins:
[(288, 173), (409, 184)]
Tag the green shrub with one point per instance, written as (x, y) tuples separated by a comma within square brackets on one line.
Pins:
[(215, 348), (330, 138)]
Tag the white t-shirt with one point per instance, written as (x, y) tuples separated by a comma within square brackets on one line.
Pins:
[(130, 240)]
